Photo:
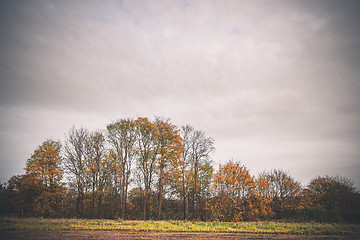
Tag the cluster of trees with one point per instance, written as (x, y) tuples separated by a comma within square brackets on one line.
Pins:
[(151, 169)]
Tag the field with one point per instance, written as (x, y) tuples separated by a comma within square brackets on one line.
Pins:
[(39, 228)]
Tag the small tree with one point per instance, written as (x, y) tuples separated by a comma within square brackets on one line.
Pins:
[(333, 193), (233, 185), (258, 205), (43, 176), (282, 189)]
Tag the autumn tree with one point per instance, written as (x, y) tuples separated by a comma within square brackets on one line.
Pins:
[(75, 164), (259, 204), (181, 169), (233, 185), (146, 159), (169, 145), (44, 174)]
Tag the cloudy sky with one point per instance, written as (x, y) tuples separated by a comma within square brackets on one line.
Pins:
[(275, 83)]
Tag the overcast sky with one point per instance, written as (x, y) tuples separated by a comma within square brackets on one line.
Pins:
[(275, 83)]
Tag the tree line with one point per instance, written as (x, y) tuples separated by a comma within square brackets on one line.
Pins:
[(152, 169)]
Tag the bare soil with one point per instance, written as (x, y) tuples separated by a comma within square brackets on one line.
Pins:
[(112, 235)]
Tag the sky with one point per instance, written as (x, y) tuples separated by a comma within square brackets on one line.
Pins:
[(275, 83)]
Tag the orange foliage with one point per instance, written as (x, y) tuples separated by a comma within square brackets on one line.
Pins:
[(43, 179)]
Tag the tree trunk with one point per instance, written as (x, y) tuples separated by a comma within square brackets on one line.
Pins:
[(82, 205), (99, 214), (161, 190), (125, 201), (187, 206), (93, 200), (121, 200), (145, 203), (196, 198), (78, 205)]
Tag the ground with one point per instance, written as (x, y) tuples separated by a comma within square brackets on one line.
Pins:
[(112, 235)]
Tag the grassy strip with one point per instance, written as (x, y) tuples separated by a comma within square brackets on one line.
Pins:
[(180, 226)]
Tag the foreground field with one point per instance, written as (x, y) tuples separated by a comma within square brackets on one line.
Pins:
[(38, 228), (112, 235)]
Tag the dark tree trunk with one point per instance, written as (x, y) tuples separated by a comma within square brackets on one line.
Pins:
[(161, 191), (145, 204)]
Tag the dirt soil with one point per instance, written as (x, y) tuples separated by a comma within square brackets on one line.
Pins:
[(111, 235)]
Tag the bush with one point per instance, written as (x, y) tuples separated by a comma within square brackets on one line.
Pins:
[(322, 215)]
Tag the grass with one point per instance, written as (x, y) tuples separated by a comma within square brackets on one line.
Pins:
[(40, 224)]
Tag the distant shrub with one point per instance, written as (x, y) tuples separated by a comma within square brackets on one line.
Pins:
[(323, 215)]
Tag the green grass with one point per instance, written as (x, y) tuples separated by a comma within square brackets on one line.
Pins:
[(37, 224)]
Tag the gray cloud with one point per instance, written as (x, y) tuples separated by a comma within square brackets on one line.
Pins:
[(277, 85)]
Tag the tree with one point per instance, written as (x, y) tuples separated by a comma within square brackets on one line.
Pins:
[(204, 188), (181, 169), (233, 185), (169, 150), (201, 148), (12, 200), (146, 151), (196, 152), (122, 139), (282, 189), (258, 204), (44, 174), (334, 193), (75, 164), (95, 167), (234, 180)]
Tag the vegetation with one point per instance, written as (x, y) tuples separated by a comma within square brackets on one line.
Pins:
[(180, 226), (144, 169)]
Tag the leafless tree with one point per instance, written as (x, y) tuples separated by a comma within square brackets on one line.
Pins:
[(282, 189), (122, 139), (197, 149), (95, 168)]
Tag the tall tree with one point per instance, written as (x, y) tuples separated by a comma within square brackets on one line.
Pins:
[(122, 139), (201, 148), (169, 150), (75, 164), (181, 169), (197, 149), (95, 167), (205, 180), (147, 153)]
